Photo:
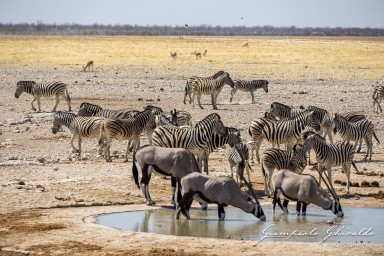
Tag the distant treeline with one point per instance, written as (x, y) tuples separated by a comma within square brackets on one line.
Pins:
[(40, 28)]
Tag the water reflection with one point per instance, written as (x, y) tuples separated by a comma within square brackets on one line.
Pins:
[(240, 225)]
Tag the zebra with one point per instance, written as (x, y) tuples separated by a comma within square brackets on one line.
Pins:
[(356, 131), (378, 96), (43, 90), (209, 86), (183, 117), (282, 111), (278, 132), (89, 66), (325, 120), (273, 158), (216, 141), (80, 127), (194, 139), (188, 85), (234, 159), (249, 86), (353, 118), (331, 155), (89, 109), (125, 129)]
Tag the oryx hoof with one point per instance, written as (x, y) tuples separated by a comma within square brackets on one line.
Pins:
[(151, 203), (297, 213), (203, 206), (304, 213), (173, 203)]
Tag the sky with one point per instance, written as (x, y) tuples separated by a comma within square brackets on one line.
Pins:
[(299, 13)]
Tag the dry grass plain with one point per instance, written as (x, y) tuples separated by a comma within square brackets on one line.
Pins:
[(49, 196)]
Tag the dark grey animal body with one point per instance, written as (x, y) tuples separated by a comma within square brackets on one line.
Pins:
[(249, 86), (56, 89)]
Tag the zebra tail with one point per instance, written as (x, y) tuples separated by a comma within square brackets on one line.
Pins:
[(374, 135), (354, 165), (135, 172)]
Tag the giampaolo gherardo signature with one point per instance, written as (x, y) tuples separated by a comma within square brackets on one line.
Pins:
[(335, 231)]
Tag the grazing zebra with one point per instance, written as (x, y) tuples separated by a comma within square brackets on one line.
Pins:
[(89, 109), (216, 141), (125, 129), (331, 155), (193, 139), (80, 127), (273, 158), (282, 111), (88, 66), (237, 154), (356, 131), (209, 86), (325, 120), (249, 86), (378, 96), (279, 132), (56, 89), (188, 85)]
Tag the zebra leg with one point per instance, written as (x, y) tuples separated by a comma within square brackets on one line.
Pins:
[(232, 93), (79, 141), (320, 170), (198, 100), (68, 99), (360, 145), (107, 151), (57, 102), (253, 98), (269, 182), (33, 107), (257, 145), (368, 142), (347, 170), (74, 149)]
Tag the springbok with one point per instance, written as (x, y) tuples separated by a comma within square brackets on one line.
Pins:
[(305, 190), (174, 162), (173, 55), (88, 66)]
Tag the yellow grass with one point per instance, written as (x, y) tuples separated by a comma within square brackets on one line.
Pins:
[(268, 57)]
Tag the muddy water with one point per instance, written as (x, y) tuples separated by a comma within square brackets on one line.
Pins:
[(360, 225)]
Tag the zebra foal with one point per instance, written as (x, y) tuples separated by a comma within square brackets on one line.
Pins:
[(81, 127), (249, 86), (378, 96), (56, 89), (239, 154)]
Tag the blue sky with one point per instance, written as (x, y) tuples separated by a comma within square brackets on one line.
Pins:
[(300, 13)]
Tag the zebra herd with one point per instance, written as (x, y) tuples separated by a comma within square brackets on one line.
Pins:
[(298, 129)]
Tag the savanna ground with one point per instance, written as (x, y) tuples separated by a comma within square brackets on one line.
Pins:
[(49, 197)]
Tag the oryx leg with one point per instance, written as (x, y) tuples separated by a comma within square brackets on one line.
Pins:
[(146, 177), (174, 183), (285, 205), (221, 212), (184, 205)]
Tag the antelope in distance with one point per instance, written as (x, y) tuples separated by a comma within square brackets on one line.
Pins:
[(246, 45), (305, 190), (205, 52), (88, 66), (173, 55), (197, 54)]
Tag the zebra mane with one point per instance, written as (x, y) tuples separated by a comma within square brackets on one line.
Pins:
[(309, 133), (25, 82), (63, 114), (280, 105), (208, 118), (89, 105), (217, 74)]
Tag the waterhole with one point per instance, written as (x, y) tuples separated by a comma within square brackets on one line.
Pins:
[(359, 225)]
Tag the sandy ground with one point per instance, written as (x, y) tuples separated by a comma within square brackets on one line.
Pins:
[(50, 197)]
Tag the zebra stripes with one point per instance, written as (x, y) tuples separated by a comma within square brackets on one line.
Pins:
[(325, 120), (363, 129), (273, 158), (125, 129), (183, 117), (249, 86), (193, 139), (282, 111), (89, 109), (209, 86), (56, 89), (188, 85), (279, 132), (236, 154), (79, 126), (330, 155), (378, 96)]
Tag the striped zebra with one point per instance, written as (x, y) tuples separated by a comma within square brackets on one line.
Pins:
[(216, 141), (331, 155), (188, 85), (209, 86), (282, 111), (80, 126), (194, 139), (277, 159), (56, 89), (89, 109), (183, 117), (125, 129), (325, 120), (356, 131), (378, 96), (237, 154), (249, 86), (353, 118), (286, 131)]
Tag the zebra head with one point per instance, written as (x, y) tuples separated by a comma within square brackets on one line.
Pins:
[(60, 119), (265, 85), (233, 136), (298, 159), (219, 127), (338, 121), (155, 110), (226, 79), (88, 109), (311, 120), (23, 86)]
